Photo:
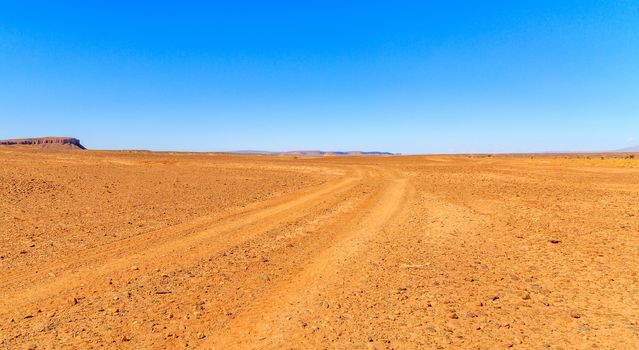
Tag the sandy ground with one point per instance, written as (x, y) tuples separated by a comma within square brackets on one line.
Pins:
[(159, 250)]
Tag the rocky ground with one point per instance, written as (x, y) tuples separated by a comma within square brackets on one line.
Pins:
[(161, 250)]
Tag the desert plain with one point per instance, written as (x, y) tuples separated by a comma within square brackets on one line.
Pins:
[(132, 250)]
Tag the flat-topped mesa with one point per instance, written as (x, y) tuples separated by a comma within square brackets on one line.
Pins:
[(46, 142)]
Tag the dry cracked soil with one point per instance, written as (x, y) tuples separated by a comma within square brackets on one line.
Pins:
[(131, 250)]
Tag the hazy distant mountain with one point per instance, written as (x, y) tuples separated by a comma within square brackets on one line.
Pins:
[(252, 152), (317, 153), (628, 149)]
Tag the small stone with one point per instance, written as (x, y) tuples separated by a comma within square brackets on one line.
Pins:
[(454, 316), (134, 268), (471, 315), (264, 278), (263, 259), (200, 335), (125, 338), (493, 297), (325, 304), (73, 301), (526, 297), (32, 346), (575, 314), (584, 328), (302, 323), (555, 241)]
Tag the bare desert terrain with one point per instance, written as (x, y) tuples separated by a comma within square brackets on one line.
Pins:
[(173, 250)]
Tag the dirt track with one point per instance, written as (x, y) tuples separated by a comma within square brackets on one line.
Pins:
[(215, 251)]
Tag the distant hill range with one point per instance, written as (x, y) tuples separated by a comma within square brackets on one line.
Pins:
[(45, 142), (315, 153), (628, 149)]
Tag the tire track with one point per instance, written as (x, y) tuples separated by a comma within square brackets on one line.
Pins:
[(268, 322), (189, 240)]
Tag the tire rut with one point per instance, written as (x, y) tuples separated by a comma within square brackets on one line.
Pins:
[(201, 236), (268, 320)]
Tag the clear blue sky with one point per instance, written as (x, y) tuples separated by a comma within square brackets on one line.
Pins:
[(404, 76)]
